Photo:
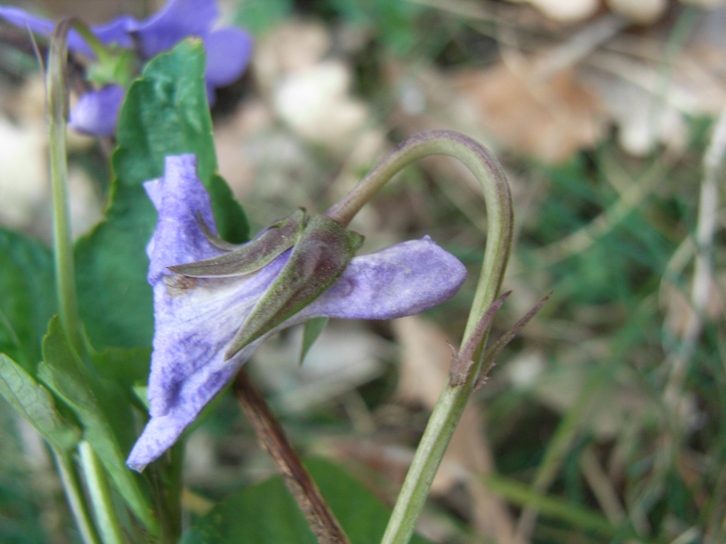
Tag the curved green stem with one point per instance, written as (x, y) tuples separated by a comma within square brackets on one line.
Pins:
[(75, 498), (453, 398), (106, 519), (57, 102), (498, 200), (96, 45), (166, 489)]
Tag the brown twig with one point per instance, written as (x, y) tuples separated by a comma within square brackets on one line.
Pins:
[(321, 519)]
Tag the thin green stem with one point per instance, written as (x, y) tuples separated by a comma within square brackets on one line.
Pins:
[(106, 519), (454, 396), (57, 106), (497, 197), (174, 489), (96, 45), (57, 103), (75, 497), (166, 490)]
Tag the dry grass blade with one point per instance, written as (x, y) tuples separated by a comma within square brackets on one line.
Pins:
[(703, 273)]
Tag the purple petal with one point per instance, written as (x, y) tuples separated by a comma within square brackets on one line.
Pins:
[(178, 20), (192, 396), (194, 320), (228, 53), (39, 25), (22, 19), (194, 317), (117, 31), (211, 94), (97, 111), (401, 280), (181, 200)]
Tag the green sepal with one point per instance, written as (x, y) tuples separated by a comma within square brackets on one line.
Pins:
[(113, 64), (318, 259), (250, 257), (215, 240), (117, 67), (311, 331)]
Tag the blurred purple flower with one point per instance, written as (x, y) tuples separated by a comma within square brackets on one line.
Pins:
[(96, 111), (196, 318), (228, 50)]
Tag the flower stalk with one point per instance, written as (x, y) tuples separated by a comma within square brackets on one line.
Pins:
[(456, 392), (321, 518), (497, 197), (100, 495), (75, 497), (57, 111), (166, 490)]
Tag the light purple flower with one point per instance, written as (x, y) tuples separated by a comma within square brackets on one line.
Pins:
[(96, 111), (228, 50), (196, 318)]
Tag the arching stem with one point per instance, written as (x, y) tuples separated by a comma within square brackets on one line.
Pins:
[(454, 396)]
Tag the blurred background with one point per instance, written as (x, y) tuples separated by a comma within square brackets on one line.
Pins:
[(608, 410)]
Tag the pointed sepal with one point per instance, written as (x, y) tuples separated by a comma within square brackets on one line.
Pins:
[(251, 256), (311, 331), (317, 261)]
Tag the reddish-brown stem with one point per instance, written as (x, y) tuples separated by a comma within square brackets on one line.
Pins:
[(321, 519)]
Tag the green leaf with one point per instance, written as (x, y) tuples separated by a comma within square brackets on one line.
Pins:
[(35, 403), (231, 219), (113, 296), (258, 514), (27, 297), (165, 113), (103, 411), (266, 512), (128, 367)]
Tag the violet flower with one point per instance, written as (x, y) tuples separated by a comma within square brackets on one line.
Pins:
[(228, 51), (200, 320)]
